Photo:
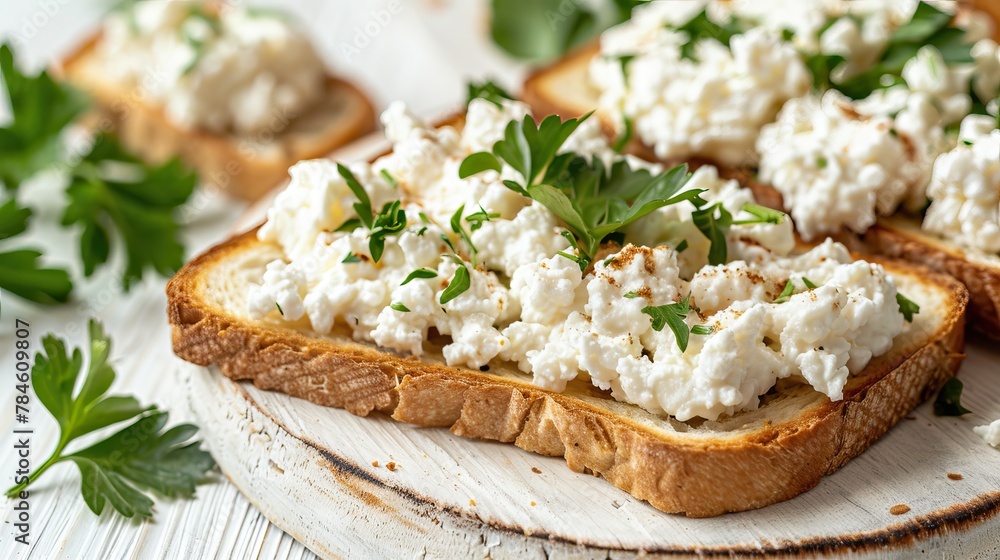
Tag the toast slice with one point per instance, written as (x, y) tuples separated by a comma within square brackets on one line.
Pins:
[(244, 166), (746, 461), (563, 89)]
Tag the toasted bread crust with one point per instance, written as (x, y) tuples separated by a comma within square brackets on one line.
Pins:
[(982, 279), (247, 167), (673, 473)]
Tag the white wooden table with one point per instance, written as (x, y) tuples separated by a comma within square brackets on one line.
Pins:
[(422, 54)]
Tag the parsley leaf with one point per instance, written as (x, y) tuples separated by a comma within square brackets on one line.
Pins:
[(625, 137), (592, 201), (111, 187), (19, 271), (631, 295), (489, 91), (399, 306), (786, 293), (928, 26), (673, 315), (714, 228), (351, 258), (538, 29), (456, 226), (700, 27), (476, 219), (117, 468), (419, 273), (22, 275), (809, 284), (948, 401), (389, 221), (458, 285), (41, 108), (363, 206), (907, 307)]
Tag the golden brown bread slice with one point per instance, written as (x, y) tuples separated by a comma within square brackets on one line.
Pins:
[(563, 89), (245, 166), (750, 460)]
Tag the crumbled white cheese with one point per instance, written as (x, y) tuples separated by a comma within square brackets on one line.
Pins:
[(713, 106), (555, 321), (836, 164), (240, 71), (965, 188), (990, 433)]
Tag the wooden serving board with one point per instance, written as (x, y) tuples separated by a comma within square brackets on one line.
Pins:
[(311, 470)]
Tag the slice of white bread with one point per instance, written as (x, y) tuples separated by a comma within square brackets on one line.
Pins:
[(563, 89), (245, 166), (746, 461)]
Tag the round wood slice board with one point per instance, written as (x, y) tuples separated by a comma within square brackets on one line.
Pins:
[(311, 470)]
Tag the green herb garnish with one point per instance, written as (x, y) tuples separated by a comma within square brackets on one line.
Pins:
[(398, 306), (110, 187), (907, 307), (115, 470), (948, 401), (673, 316), (489, 91), (458, 285), (419, 273), (591, 200)]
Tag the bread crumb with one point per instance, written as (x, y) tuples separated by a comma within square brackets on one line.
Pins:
[(375, 464), (472, 503), (954, 476), (899, 509), (391, 466), (532, 504), (535, 470)]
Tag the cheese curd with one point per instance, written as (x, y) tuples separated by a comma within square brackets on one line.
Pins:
[(990, 433), (526, 300), (965, 188), (240, 71), (840, 163), (712, 105)]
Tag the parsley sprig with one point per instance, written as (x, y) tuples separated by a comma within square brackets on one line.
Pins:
[(489, 91), (714, 222), (41, 108), (115, 470), (928, 26), (673, 315), (701, 27), (110, 187), (388, 221), (20, 271), (593, 202)]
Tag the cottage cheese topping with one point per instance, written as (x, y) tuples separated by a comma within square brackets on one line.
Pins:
[(990, 433), (839, 163), (240, 71), (965, 188), (713, 106), (528, 305)]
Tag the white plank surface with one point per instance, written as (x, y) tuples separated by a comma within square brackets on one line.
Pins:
[(450, 497), (444, 42), (222, 523)]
